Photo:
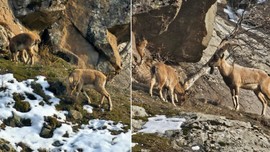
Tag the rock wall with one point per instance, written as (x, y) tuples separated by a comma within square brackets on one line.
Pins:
[(178, 30), (85, 33)]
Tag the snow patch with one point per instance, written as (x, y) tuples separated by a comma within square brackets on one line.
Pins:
[(195, 148), (159, 124), (88, 108)]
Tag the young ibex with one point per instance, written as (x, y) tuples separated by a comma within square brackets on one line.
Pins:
[(88, 78), (141, 49), (237, 77), (166, 76), (138, 49), (21, 42)]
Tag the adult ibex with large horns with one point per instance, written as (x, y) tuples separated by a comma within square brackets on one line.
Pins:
[(236, 76)]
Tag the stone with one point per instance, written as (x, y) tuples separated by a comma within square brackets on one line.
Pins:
[(138, 112), (46, 132), (137, 124), (22, 106), (75, 114)]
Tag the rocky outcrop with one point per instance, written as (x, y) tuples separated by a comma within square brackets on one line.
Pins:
[(216, 133), (106, 30), (85, 33), (37, 14), (182, 29)]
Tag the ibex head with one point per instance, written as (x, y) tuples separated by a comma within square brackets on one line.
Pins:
[(73, 80), (215, 61), (219, 54)]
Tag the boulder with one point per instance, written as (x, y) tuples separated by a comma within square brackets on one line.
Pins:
[(49, 126), (17, 121), (182, 29), (106, 30), (37, 14), (216, 133), (138, 112), (75, 115), (20, 105), (137, 124)]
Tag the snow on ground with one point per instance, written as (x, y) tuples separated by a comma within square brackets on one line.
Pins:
[(134, 144), (195, 148), (95, 136), (159, 124), (88, 108)]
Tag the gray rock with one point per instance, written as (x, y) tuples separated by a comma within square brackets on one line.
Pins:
[(104, 30), (38, 14), (5, 34), (75, 115), (137, 124), (46, 132), (138, 112), (215, 133), (17, 121), (49, 126)]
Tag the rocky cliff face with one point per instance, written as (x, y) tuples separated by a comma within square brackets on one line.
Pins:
[(178, 30), (85, 33)]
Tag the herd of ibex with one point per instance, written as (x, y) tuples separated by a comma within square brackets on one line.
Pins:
[(234, 76), (78, 80)]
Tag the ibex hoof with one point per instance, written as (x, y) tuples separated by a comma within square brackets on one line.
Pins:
[(110, 109)]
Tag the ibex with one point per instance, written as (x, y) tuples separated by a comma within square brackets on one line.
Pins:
[(81, 79), (138, 49), (21, 42), (166, 76), (141, 49), (237, 77)]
